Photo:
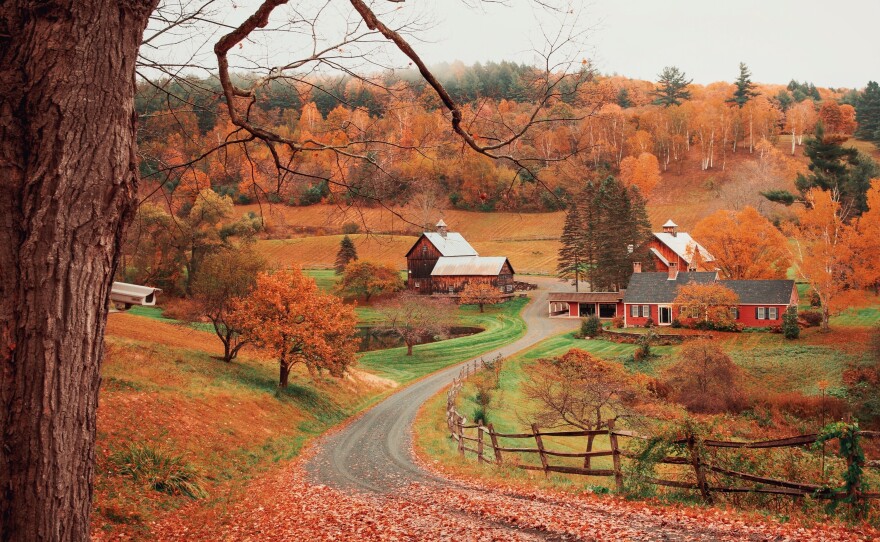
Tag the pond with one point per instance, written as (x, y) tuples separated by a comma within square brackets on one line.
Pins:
[(380, 338)]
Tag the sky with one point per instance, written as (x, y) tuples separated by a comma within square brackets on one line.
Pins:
[(828, 43)]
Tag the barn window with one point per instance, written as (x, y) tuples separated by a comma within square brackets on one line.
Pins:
[(509, 287), (418, 284), (424, 249), (773, 313)]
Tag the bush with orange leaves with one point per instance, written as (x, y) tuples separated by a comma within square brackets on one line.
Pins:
[(706, 380), (287, 314)]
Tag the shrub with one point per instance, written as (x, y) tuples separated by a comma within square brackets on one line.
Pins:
[(643, 351), (159, 470), (590, 327), (480, 416), (676, 323), (790, 327), (618, 322), (705, 379), (805, 407), (812, 318), (649, 322), (350, 228)]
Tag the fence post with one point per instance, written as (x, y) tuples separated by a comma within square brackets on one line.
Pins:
[(615, 457), (480, 443), (540, 444), (854, 486), (460, 424), (701, 475), (494, 439)]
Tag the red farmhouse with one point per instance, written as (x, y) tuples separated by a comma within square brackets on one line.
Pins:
[(651, 295)]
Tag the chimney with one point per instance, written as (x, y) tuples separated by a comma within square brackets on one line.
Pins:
[(673, 271), (637, 267), (441, 228), (670, 227)]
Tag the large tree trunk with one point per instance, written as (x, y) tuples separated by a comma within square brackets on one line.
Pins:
[(68, 176)]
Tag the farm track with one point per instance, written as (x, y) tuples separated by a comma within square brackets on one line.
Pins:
[(371, 460)]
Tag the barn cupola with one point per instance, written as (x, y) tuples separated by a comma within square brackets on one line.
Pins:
[(670, 227), (441, 228)]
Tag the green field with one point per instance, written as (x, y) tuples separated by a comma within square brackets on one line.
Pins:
[(502, 323)]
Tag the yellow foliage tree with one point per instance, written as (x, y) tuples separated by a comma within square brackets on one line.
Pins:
[(480, 293), (643, 172), (709, 303)]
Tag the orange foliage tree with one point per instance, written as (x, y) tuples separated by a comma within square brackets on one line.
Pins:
[(480, 293), (820, 253), (366, 279), (583, 391), (745, 244), (863, 242), (643, 172), (287, 314), (709, 303)]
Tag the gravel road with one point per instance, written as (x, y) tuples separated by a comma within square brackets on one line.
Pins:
[(373, 453)]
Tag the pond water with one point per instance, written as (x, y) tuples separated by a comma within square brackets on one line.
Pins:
[(380, 338)]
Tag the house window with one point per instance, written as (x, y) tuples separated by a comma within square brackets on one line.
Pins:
[(634, 311), (773, 313), (646, 311), (509, 287), (762, 313), (734, 313)]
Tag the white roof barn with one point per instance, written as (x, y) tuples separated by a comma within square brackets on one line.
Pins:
[(450, 244), (469, 266)]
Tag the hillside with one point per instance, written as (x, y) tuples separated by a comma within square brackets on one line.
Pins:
[(169, 407), (309, 236)]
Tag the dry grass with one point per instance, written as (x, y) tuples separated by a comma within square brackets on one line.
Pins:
[(533, 257)]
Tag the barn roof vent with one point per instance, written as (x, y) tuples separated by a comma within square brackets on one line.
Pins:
[(441, 228), (670, 227)]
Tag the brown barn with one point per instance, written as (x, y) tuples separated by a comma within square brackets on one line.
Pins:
[(673, 247), (444, 262)]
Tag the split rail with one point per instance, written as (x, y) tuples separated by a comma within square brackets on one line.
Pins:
[(492, 447)]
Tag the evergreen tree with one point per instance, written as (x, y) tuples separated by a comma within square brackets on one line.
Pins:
[(571, 254), (829, 164), (621, 232), (784, 99), (745, 89), (623, 99), (347, 254), (868, 113), (671, 87)]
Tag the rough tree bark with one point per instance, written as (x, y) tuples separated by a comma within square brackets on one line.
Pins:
[(68, 176)]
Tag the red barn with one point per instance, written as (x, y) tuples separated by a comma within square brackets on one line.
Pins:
[(444, 262), (673, 247)]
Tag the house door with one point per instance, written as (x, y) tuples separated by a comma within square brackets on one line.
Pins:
[(664, 315)]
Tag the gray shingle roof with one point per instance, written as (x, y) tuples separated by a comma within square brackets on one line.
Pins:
[(761, 292), (586, 297), (657, 288)]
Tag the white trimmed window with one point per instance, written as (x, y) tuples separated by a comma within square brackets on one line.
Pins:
[(634, 311), (646, 311), (762, 313), (773, 313)]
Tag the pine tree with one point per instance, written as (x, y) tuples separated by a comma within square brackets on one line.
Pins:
[(347, 253), (745, 89), (621, 232), (623, 99), (868, 113), (671, 87), (571, 253), (829, 164)]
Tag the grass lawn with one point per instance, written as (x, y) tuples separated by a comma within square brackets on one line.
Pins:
[(502, 323)]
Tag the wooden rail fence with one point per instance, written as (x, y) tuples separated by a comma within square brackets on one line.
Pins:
[(484, 443)]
